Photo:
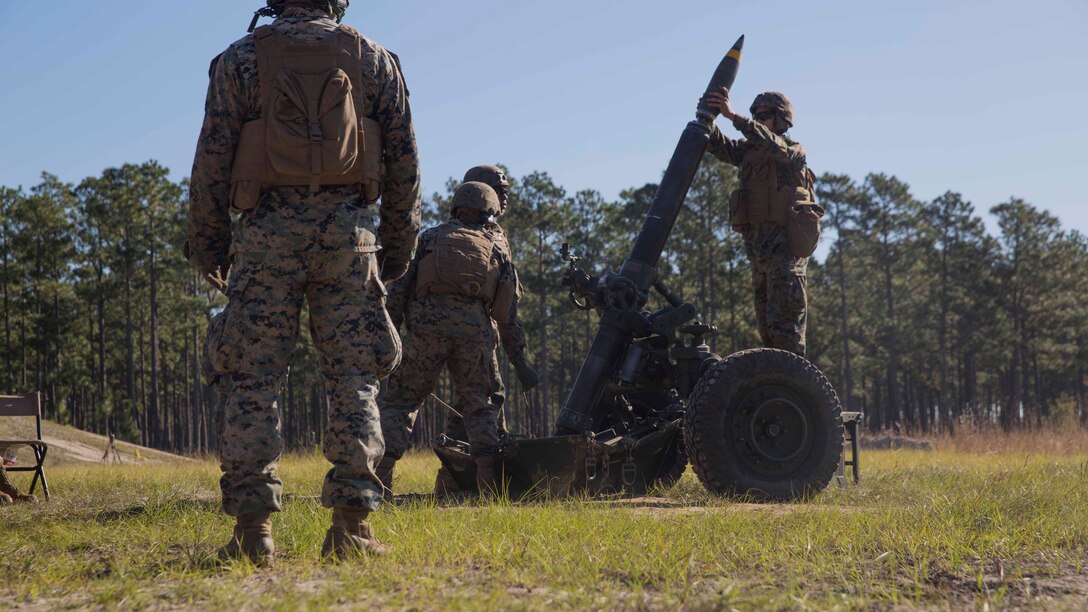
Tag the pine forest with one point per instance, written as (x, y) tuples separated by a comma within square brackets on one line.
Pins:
[(923, 319)]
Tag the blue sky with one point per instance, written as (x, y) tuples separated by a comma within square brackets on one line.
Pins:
[(984, 98)]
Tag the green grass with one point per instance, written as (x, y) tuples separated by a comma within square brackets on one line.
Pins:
[(943, 529)]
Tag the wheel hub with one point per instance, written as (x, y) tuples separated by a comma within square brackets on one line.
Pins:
[(772, 430)]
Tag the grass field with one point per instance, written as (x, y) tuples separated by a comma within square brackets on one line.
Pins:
[(990, 521)]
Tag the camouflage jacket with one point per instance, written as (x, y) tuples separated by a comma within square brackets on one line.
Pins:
[(292, 219), (500, 236), (402, 291), (789, 153)]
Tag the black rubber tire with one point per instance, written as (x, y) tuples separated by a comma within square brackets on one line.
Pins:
[(748, 404)]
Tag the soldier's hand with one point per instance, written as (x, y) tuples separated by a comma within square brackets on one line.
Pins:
[(216, 279), (527, 376), (215, 273), (393, 268), (719, 100), (709, 101)]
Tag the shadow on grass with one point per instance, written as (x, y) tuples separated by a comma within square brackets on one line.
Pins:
[(181, 505), (201, 504), (412, 500)]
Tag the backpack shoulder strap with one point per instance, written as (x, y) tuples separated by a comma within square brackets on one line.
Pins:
[(350, 60), (269, 58), (347, 30)]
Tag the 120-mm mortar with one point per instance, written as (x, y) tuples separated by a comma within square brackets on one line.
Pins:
[(761, 423), (627, 292)]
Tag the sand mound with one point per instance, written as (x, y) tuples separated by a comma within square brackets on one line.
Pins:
[(70, 445)]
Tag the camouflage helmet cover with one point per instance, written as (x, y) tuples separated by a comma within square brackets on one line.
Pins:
[(777, 102), (475, 195), (338, 7), (488, 174)]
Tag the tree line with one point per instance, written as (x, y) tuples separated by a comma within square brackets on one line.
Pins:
[(921, 318)]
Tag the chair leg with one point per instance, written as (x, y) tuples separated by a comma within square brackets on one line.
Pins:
[(45, 484), (33, 483), (39, 472), (854, 452)]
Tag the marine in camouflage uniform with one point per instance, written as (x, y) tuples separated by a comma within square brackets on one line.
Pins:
[(494, 177), (773, 172), (299, 242), (447, 322)]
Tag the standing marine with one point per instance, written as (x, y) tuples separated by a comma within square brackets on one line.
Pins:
[(307, 124), (514, 345), (459, 289), (774, 210)]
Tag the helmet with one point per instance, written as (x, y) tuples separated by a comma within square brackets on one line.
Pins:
[(775, 101), (491, 175), (336, 7), (477, 196), (276, 7), (494, 177)]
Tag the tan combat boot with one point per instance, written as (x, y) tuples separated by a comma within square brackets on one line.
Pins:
[(384, 472), (13, 494), (5, 500), (487, 482), (252, 540), (350, 535)]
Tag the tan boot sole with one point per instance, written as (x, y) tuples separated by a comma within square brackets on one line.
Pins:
[(331, 552)]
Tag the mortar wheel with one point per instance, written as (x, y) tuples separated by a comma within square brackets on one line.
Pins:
[(764, 424)]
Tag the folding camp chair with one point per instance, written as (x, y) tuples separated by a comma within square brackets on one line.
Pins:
[(24, 406)]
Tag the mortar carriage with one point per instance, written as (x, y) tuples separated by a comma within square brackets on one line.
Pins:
[(650, 396)]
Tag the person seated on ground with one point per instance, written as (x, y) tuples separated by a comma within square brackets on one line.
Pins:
[(10, 494)]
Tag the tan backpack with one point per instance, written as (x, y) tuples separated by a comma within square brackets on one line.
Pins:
[(463, 263), (312, 130)]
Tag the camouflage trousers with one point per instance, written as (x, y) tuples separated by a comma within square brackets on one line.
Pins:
[(780, 287), (250, 346), (455, 332), (455, 423)]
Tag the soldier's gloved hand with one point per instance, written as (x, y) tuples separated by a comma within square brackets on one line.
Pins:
[(527, 376), (705, 99), (393, 268), (217, 280), (719, 101), (210, 266)]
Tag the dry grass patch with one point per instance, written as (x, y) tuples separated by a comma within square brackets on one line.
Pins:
[(924, 530), (1046, 441)]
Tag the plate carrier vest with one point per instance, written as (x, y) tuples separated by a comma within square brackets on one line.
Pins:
[(760, 198), (312, 130), (464, 262), (762, 201)]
